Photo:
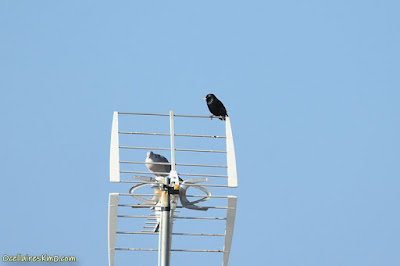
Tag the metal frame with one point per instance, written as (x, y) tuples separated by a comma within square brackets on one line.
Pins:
[(163, 202), (112, 226), (114, 148)]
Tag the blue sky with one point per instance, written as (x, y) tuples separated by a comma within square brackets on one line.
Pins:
[(312, 89)]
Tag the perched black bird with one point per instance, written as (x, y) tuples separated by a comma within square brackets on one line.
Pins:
[(215, 106)]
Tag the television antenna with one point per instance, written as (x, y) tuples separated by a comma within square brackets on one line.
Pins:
[(170, 192)]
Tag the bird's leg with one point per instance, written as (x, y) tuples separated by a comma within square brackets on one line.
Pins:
[(211, 117)]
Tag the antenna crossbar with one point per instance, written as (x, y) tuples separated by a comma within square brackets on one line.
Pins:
[(175, 217), (151, 114), (184, 250), (145, 148), (149, 206), (180, 164), (197, 196), (163, 173), (187, 184), (177, 234), (168, 149), (197, 150), (168, 134)]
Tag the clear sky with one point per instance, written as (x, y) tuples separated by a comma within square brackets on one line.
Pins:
[(312, 89)]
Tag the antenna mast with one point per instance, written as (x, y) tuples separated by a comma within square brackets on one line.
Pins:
[(170, 190)]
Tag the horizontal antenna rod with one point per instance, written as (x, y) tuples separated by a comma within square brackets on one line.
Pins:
[(136, 216), (200, 218), (176, 234), (188, 174), (187, 184), (194, 150), (176, 135), (127, 113), (175, 217), (202, 165), (200, 136), (181, 164), (144, 148), (184, 250), (196, 196), (149, 206), (167, 149), (197, 116), (143, 133), (163, 173)]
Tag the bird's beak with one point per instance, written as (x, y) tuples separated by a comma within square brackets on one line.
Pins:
[(204, 99)]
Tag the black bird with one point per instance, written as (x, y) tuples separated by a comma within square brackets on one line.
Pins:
[(215, 106)]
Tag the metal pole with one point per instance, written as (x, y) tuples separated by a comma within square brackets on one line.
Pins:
[(172, 134), (165, 230)]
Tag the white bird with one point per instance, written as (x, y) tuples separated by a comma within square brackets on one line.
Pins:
[(159, 170)]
